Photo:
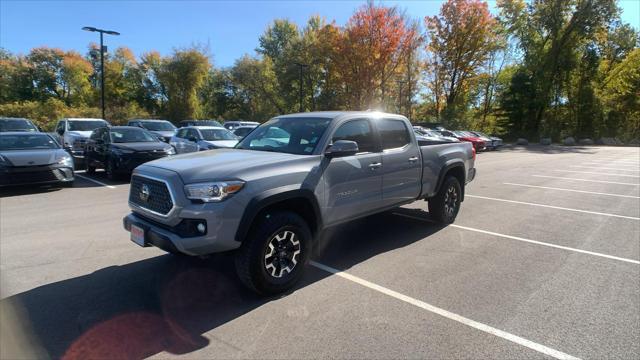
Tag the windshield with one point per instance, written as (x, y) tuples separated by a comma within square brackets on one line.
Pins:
[(243, 131), (131, 135), (217, 134), (85, 125), (201, 123), (27, 142), (463, 134), (158, 125), (288, 135), (16, 125)]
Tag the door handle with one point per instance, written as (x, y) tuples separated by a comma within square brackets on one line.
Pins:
[(374, 166), (413, 159)]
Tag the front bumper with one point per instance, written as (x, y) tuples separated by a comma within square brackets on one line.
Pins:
[(222, 219), (44, 174), (174, 240), (126, 163), (471, 174)]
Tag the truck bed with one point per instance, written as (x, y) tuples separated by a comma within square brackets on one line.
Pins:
[(437, 156)]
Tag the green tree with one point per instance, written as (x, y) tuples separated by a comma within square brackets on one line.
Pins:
[(181, 76)]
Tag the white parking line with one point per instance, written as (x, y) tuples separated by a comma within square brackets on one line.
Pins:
[(572, 190), (446, 314), (616, 162), (95, 181), (587, 180), (553, 207), (598, 173), (602, 167), (517, 238)]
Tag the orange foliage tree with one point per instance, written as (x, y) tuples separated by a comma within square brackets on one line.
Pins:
[(461, 40)]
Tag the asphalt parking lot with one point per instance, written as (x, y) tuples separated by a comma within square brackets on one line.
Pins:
[(542, 262)]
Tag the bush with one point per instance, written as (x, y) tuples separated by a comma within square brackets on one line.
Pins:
[(46, 114)]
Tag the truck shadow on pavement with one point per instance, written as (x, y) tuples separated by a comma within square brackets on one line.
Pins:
[(168, 302)]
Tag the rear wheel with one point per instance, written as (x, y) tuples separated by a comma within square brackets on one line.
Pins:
[(445, 205), (273, 257), (110, 169)]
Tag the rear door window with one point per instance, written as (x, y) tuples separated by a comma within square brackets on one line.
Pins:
[(393, 133)]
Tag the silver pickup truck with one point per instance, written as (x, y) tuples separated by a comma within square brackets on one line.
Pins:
[(287, 181)]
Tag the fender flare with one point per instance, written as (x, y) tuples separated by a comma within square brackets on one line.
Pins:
[(445, 169), (274, 196)]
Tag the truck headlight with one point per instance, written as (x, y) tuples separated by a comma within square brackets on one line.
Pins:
[(170, 150), (212, 191)]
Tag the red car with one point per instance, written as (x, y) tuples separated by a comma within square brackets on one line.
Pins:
[(477, 142)]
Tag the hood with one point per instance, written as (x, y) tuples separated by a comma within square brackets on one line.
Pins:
[(81, 134), (223, 143), (225, 164), (471, 138), (142, 146), (32, 157), (163, 133)]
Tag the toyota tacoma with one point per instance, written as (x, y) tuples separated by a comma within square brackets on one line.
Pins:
[(268, 198)]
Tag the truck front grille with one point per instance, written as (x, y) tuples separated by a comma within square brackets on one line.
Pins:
[(150, 194)]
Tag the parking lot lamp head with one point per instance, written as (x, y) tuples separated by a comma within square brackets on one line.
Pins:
[(102, 48)]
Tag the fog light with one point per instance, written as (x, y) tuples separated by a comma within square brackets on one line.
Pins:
[(201, 228)]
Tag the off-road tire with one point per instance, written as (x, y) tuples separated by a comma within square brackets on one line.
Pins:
[(445, 205), (250, 260)]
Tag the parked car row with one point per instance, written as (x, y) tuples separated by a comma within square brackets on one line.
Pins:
[(30, 156), (480, 141)]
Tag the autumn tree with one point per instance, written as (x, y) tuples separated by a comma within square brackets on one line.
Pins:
[(461, 39), (374, 44)]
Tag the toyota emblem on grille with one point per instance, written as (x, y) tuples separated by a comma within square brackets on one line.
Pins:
[(144, 192)]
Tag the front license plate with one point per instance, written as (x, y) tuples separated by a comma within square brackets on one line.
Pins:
[(137, 235)]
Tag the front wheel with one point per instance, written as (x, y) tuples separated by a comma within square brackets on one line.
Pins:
[(445, 205), (273, 257)]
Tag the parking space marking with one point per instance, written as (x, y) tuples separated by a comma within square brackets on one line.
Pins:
[(616, 162), (95, 181), (597, 173), (446, 314), (573, 190), (587, 180), (517, 238), (554, 207), (602, 167)]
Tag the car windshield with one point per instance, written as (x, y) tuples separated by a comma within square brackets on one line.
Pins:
[(202, 123), (86, 125), (131, 135), (158, 125), (16, 125), (243, 131), (288, 135), (217, 134), (27, 142), (463, 134)]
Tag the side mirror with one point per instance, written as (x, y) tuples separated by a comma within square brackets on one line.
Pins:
[(60, 132), (192, 139), (341, 148)]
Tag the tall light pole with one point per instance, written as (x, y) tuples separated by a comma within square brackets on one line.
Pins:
[(300, 67), (102, 32)]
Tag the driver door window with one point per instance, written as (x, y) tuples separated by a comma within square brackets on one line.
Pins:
[(358, 131)]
